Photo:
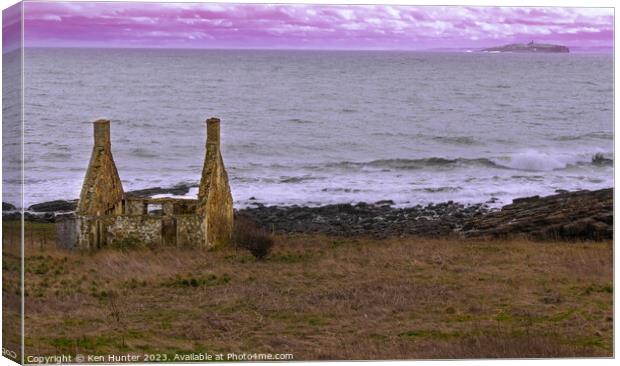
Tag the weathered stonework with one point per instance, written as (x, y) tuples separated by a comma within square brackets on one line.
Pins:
[(102, 187), (106, 216), (141, 229), (189, 230), (215, 202)]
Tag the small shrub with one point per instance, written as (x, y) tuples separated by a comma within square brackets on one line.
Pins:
[(247, 235)]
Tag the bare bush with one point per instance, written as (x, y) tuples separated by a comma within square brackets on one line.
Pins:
[(247, 235)]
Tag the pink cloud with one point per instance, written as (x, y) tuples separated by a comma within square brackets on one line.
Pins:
[(309, 26), (11, 28)]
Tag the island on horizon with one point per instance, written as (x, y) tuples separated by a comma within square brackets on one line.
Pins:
[(529, 47)]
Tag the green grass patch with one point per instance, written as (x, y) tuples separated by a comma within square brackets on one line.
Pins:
[(290, 257), (92, 344), (377, 337), (133, 284), (599, 289), (317, 321), (595, 341), (429, 334), (561, 316), (126, 243)]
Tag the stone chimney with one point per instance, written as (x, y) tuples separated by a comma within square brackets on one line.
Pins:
[(215, 202), (102, 188), (213, 132), (102, 133)]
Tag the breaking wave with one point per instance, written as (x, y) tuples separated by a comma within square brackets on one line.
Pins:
[(526, 161), (406, 164), (532, 161), (541, 162)]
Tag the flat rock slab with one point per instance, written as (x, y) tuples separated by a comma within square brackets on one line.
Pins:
[(178, 190), (579, 215), (54, 206), (71, 205)]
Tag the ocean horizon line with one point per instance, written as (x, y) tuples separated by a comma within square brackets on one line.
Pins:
[(607, 51)]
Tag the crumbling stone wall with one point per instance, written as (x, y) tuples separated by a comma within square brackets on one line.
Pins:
[(189, 231), (144, 230), (105, 216), (92, 231), (134, 207), (66, 232), (88, 232)]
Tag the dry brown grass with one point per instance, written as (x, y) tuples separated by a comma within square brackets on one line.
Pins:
[(327, 298)]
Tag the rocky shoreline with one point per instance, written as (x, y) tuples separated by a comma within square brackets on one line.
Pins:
[(579, 215), (378, 220)]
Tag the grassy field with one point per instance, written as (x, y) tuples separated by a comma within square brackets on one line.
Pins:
[(321, 298)]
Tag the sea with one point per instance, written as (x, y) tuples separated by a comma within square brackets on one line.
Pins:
[(322, 127)]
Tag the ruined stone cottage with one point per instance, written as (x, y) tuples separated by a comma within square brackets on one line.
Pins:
[(105, 215)]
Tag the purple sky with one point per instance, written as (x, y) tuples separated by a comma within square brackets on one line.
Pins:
[(181, 25)]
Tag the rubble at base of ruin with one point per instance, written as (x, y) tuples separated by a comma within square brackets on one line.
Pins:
[(106, 216)]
